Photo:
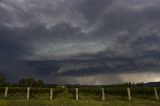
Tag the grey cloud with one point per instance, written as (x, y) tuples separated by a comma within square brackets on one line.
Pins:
[(50, 12), (95, 9), (103, 36)]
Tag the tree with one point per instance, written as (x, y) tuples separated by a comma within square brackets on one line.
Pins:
[(27, 82), (39, 83), (2, 79), (30, 82)]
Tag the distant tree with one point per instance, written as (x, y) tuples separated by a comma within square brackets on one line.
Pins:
[(27, 82), (30, 82), (39, 83), (2, 80)]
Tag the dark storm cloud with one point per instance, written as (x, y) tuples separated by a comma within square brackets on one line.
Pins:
[(74, 38), (95, 9)]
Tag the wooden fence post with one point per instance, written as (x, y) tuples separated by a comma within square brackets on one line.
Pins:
[(6, 92), (51, 93), (129, 94), (103, 95), (28, 93), (156, 93), (77, 94)]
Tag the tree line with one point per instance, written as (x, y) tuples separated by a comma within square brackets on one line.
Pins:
[(31, 82)]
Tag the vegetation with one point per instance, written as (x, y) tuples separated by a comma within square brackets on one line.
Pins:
[(143, 96), (30, 82), (2, 80), (116, 94), (70, 102)]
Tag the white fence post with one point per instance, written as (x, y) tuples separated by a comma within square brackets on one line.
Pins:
[(103, 95), (156, 93), (51, 93), (77, 94), (28, 93), (129, 94), (6, 92)]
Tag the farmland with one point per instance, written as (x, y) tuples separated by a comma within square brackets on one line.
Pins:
[(141, 96)]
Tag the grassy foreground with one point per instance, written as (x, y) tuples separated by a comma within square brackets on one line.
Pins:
[(67, 99), (69, 102)]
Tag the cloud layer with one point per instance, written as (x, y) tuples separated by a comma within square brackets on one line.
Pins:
[(56, 40)]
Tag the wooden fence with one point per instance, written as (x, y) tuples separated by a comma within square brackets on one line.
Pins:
[(103, 98)]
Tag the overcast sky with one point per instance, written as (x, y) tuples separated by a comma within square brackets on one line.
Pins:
[(80, 41)]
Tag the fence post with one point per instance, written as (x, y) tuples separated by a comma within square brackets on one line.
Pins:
[(28, 93), (77, 94), (6, 92), (51, 93), (129, 94), (103, 95), (156, 93)]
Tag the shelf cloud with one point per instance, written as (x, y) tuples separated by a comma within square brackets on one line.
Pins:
[(64, 41)]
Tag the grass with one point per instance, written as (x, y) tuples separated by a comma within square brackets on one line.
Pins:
[(67, 99), (70, 102)]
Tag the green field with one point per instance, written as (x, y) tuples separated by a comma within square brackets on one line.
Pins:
[(87, 97)]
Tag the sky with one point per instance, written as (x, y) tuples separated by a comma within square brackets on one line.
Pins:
[(80, 41)]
